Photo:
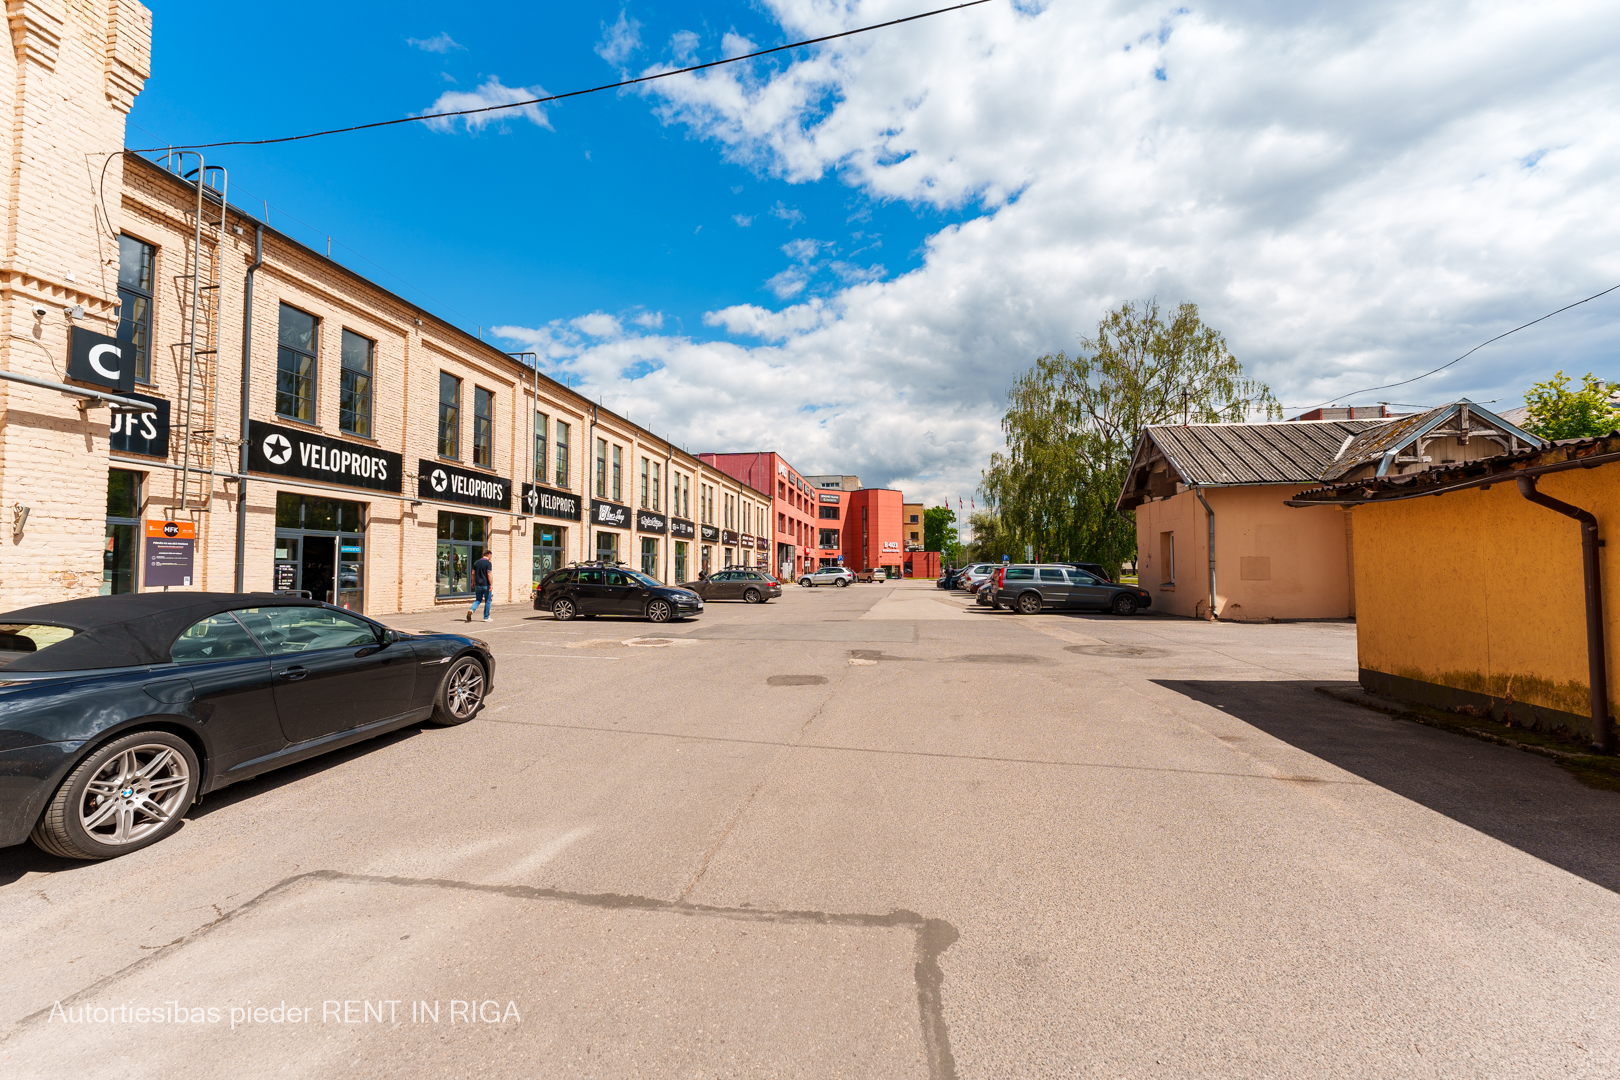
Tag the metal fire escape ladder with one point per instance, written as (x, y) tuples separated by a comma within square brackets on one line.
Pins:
[(200, 303)]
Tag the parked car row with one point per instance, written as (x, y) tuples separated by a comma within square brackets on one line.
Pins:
[(1030, 588)]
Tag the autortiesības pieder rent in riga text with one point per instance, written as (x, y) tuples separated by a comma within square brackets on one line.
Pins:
[(391, 1011)]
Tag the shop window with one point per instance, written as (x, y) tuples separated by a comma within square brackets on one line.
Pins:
[(829, 513), (135, 259), (483, 427), (123, 537), (548, 550), (449, 415), (601, 468), (540, 447), (320, 548), (607, 547), (829, 538), (562, 454), (298, 342), (354, 398), (462, 538), (680, 560), (649, 556)]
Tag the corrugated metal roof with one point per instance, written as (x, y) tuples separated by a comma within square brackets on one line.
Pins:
[(1290, 452), (1369, 446)]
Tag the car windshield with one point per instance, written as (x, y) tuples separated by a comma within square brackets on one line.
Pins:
[(642, 579), (17, 640)]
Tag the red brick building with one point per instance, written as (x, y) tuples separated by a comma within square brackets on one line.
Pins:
[(873, 529), (793, 505)]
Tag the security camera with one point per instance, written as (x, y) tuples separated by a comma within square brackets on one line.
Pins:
[(40, 311)]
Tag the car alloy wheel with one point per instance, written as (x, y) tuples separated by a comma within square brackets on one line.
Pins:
[(841, 582), (562, 609), (460, 694), (659, 611), (1029, 604), (752, 596), (807, 583), (132, 792), (1124, 604)]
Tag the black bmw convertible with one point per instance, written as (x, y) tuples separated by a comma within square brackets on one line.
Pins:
[(118, 712)]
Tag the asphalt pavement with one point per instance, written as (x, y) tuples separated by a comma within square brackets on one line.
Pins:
[(862, 832)]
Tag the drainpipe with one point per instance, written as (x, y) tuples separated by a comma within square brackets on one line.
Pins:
[(247, 357), (1596, 657), (1200, 493)]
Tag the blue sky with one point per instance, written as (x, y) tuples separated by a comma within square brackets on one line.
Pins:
[(848, 254), (609, 209)]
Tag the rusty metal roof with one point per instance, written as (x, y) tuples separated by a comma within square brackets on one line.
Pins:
[(1289, 452), (1370, 446)]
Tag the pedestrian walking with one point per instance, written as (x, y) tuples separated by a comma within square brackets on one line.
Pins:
[(482, 593)]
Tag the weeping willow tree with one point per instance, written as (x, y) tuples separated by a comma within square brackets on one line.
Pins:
[(1072, 423)]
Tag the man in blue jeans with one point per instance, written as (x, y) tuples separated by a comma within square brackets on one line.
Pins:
[(482, 594)]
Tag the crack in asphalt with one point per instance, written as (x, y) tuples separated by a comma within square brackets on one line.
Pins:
[(905, 753), (932, 937)]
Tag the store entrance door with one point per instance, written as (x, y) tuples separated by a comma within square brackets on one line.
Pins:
[(317, 565)]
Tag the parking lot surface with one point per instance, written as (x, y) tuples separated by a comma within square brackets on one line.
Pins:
[(862, 832)]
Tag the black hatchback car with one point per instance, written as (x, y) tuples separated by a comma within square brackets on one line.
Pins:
[(118, 712), (592, 589)]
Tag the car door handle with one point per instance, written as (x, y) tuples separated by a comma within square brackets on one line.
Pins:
[(293, 674)]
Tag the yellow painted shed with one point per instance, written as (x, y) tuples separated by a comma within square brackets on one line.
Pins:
[(1485, 584)]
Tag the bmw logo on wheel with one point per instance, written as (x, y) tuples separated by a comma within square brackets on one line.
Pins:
[(277, 449), (439, 480)]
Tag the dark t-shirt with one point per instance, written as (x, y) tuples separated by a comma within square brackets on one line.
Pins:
[(481, 571)]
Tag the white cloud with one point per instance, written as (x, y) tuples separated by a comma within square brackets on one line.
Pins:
[(650, 320), (736, 45), (490, 93), (742, 220), (438, 43), (790, 214), (620, 40), (598, 325), (1351, 193), (788, 283), (802, 250)]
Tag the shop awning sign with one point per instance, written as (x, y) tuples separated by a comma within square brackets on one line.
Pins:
[(610, 515), (648, 521), (447, 483), (100, 360), (681, 529), (746, 541), (130, 432), (287, 451), (728, 537), (549, 502), (711, 534)]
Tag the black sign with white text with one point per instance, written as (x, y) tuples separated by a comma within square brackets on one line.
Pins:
[(728, 537), (447, 483), (551, 503), (612, 515), (682, 529), (131, 432), (649, 521), (711, 534), (290, 452), (99, 359), (745, 541)]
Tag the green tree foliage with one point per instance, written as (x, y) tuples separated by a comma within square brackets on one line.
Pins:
[(937, 522), (1072, 424), (987, 544), (1557, 412)]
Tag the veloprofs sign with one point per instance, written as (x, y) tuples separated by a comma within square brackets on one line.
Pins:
[(288, 451), (447, 483)]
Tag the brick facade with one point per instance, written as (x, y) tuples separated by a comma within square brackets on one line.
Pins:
[(77, 70)]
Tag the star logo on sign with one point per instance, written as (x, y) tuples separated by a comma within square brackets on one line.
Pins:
[(439, 480), (534, 500), (277, 449)]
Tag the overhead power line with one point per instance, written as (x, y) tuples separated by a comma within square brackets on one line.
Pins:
[(1466, 355), (570, 94)]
